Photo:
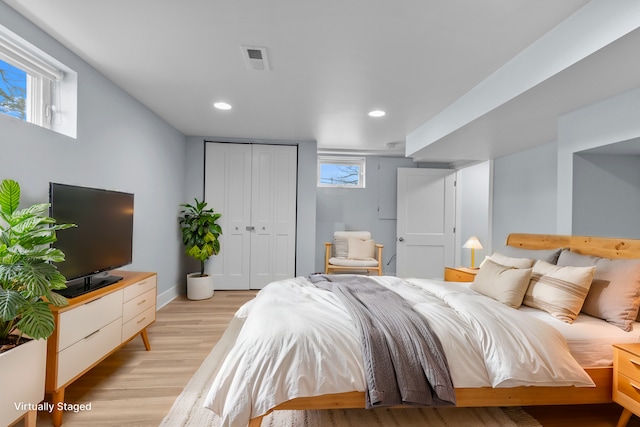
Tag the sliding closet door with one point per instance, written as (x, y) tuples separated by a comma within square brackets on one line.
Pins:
[(254, 188), (273, 214)]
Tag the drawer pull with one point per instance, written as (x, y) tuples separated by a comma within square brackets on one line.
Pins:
[(634, 362), (141, 320), (91, 334), (142, 302), (142, 283), (91, 302), (636, 388)]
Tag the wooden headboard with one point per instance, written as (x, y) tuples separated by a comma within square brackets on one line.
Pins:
[(607, 247)]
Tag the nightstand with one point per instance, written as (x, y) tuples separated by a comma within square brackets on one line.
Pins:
[(626, 380), (460, 274)]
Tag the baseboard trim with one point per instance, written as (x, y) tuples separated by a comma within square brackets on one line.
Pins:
[(167, 296)]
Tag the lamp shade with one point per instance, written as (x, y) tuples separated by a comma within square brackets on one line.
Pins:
[(472, 243)]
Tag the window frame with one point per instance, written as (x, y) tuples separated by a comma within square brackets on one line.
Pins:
[(360, 162), (49, 85)]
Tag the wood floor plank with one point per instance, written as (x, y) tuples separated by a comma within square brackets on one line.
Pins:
[(134, 387)]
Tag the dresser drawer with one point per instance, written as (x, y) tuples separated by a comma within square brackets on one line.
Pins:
[(87, 318), (137, 305), (76, 358), (140, 287), (135, 325)]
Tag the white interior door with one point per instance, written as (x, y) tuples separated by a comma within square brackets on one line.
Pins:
[(254, 187), (425, 223)]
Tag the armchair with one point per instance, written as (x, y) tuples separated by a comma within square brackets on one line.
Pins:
[(353, 251)]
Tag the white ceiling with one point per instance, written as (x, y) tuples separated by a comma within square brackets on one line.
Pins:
[(332, 61)]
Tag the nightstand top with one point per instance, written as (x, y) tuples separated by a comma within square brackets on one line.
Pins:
[(466, 269), (633, 348)]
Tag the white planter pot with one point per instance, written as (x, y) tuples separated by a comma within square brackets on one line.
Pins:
[(22, 370), (199, 287)]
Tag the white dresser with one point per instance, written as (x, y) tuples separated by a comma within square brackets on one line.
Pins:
[(93, 326)]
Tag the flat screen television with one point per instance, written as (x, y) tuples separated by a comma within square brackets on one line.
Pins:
[(102, 240)]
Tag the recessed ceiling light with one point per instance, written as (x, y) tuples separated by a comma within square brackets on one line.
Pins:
[(377, 113), (222, 106)]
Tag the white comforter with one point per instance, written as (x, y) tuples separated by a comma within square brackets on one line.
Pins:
[(295, 340)]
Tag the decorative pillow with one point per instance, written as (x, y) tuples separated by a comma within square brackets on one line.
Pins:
[(340, 247), (361, 249), (502, 283), (548, 255), (615, 292), (501, 259), (560, 291)]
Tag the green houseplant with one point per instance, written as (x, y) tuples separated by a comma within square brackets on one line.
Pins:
[(200, 232), (27, 277)]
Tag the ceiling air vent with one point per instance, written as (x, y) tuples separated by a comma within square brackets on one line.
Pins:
[(255, 58)]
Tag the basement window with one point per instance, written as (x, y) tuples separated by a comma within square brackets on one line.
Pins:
[(34, 87), (342, 172)]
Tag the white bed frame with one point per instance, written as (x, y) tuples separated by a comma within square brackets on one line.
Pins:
[(516, 396)]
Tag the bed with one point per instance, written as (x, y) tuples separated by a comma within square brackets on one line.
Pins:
[(332, 380)]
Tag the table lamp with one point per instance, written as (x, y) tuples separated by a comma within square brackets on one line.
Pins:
[(473, 243)]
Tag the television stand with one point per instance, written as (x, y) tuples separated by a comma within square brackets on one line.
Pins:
[(93, 326), (87, 284)]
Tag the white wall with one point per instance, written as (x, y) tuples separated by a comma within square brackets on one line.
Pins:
[(121, 145)]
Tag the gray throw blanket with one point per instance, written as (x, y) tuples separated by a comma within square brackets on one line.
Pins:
[(404, 360)]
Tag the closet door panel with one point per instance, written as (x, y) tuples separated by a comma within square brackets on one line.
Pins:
[(285, 180), (228, 191)]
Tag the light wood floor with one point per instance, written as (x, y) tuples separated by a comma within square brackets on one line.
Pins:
[(134, 387)]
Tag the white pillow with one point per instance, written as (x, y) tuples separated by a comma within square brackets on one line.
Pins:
[(361, 249), (560, 291), (502, 283), (498, 258)]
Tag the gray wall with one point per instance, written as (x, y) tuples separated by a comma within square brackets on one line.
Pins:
[(121, 145), (306, 209), (576, 185), (607, 123), (524, 193), (606, 195), (371, 209), (473, 194)]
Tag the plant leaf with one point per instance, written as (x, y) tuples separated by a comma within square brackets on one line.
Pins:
[(36, 320), (9, 196)]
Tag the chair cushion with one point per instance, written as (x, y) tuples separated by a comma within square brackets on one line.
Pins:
[(344, 262), (361, 249)]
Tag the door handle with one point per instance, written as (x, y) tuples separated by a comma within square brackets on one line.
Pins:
[(401, 239), (250, 228)]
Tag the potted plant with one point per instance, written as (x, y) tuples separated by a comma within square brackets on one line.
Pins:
[(27, 279), (200, 232)]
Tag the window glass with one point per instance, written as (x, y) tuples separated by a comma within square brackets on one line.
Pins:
[(13, 91), (347, 172)]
